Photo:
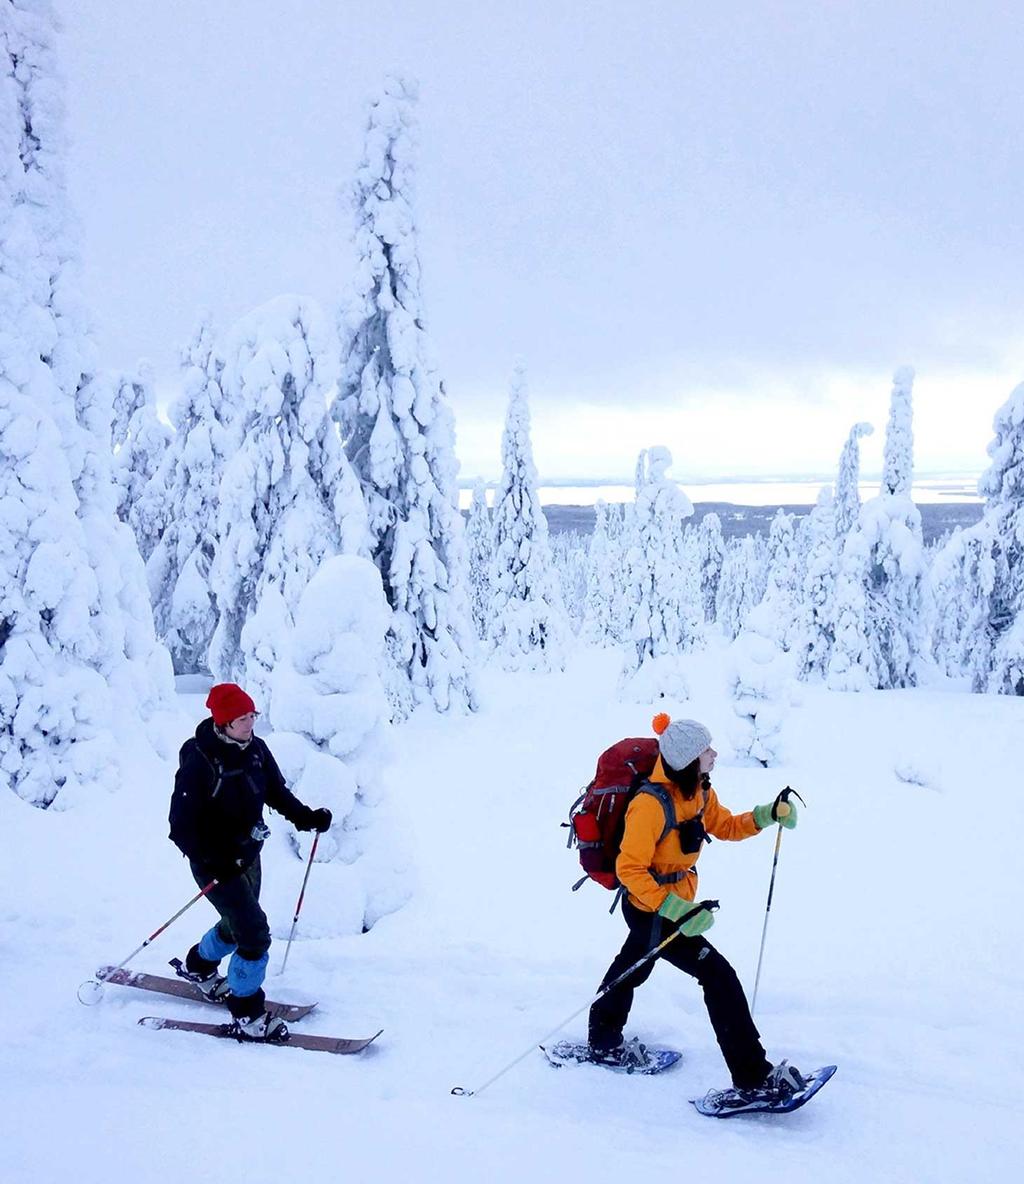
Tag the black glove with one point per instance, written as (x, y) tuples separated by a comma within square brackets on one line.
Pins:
[(321, 819)]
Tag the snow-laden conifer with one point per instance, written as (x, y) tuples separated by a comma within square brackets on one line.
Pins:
[(480, 552), (142, 499), (961, 579), (599, 624), (528, 626), (188, 481), (78, 659), (847, 496), (617, 516), (781, 600), (665, 614), (710, 553), (288, 496), (331, 713), (399, 428), (997, 635), (569, 555), (742, 582), (880, 629), (898, 455), (814, 634), (760, 678)]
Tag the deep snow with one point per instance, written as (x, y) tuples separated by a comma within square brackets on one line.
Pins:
[(893, 949)]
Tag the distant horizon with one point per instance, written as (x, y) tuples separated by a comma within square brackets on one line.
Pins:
[(930, 475)]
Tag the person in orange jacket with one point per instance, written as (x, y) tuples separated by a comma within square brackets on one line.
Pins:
[(657, 869)]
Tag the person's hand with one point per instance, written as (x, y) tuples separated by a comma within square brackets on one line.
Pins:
[(702, 918), (778, 811), (322, 819), (225, 869)]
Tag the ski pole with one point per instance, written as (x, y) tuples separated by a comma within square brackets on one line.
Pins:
[(93, 987), (782, 808), (298, 906), (710, 905)]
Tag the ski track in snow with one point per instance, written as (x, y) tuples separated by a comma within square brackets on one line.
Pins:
[(891, 950)]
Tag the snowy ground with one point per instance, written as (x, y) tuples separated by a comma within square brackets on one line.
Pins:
[(894, 949)]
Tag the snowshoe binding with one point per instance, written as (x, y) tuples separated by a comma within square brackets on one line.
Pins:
[(785, 1089), (630, 1057)]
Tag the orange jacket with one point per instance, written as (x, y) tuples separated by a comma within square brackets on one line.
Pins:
[(641, 853)]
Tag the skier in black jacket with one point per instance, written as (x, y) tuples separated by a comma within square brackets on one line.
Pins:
[(225, 776)]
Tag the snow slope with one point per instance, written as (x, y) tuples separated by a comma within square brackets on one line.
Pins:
[(893, 949)]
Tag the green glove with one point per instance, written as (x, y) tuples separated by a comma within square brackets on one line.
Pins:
[(782, 812), (673, 907)]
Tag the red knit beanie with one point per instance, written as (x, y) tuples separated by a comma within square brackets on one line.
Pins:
[(227, 701)]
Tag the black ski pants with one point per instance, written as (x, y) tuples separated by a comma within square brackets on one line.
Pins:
[(243, 923), (723, 996)]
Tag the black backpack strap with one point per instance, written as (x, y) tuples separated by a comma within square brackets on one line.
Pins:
[(662, 794), (215, 765)]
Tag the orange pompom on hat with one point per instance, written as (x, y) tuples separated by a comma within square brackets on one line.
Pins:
[(680, 741), (227, 701)]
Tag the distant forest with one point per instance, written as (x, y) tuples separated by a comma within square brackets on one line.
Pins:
[(936, 519)]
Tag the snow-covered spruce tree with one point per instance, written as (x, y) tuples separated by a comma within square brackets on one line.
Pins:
[(599, 625), (710, 554), (178, 570), (781, 600), (880, 631), (126, 653), (78, 661), (142, 502), (847, 498), (331, 715), (569, 555), (814, 634), (528, 627), (288, 496), (742, 583), (666, 617), (827, 532), (399, 429), (55, 708), (1002, 485), (760, 677), (618, 514), (480, 550), (961, 578)]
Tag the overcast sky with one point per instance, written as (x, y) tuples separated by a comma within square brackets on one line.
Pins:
[(717, 226)]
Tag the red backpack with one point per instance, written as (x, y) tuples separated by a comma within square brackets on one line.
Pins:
[(598, 816)]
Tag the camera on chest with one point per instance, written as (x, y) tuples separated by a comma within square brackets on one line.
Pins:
[(691, 835)]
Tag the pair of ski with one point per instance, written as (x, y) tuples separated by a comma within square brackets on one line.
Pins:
[(182, 989), (725, 1103)]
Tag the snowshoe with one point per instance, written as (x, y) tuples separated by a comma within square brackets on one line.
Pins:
[(630, 1057), (784, 1090)]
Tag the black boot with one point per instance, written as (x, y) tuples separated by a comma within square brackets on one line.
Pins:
[(252, 1021), (203, 973)]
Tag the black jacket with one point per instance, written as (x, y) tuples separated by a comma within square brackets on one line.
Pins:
[(220, 790)]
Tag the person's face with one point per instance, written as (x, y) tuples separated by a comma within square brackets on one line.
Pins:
[(241, 728), (707, 759)]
